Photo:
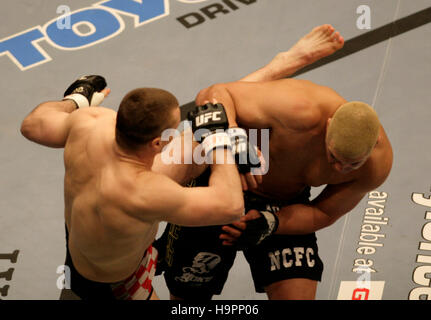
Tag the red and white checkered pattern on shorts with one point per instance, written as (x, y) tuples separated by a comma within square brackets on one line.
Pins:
[(138, 285)]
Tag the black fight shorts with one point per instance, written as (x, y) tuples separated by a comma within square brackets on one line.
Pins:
[(196, 264)]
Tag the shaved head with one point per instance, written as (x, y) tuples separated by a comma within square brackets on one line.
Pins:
[(353, 130)]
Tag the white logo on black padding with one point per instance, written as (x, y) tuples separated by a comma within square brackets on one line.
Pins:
[(203, 263), (270, 219), (205, 118)]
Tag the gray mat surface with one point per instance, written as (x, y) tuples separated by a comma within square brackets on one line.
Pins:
[(392, 75)]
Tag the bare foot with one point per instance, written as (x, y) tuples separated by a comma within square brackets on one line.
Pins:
[(322, 41), (106, 92)]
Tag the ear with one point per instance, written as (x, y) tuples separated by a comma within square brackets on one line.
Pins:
[(156, 143), (379, 140)]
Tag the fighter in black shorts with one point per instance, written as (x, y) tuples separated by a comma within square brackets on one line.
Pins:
[(317, 138), (196, 263)]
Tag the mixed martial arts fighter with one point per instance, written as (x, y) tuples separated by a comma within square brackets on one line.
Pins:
[(113, 201), (316, 138)]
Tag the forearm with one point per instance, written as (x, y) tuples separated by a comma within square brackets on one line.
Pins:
[(302, 219), (226, 182)]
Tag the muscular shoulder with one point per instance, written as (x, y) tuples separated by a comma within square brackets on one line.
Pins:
[(85, 118), (92, 113), (152, 187), (129, 190), (301, 115), (287, 103), (89, 127), (327, 100)]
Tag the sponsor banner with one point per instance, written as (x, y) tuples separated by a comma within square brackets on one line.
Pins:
[(422, 272), (354, 290), (102, 21)]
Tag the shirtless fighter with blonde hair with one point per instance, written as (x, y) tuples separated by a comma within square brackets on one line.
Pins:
[(316, 138)]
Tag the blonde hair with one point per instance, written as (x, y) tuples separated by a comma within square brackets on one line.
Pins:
[(353, 130)]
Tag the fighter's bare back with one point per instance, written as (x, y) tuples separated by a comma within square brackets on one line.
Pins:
[(98, 186), (297, 111)]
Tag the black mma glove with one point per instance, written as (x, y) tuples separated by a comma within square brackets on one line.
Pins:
[(85, 91), (245, 153), (258, 229), (209, 123)]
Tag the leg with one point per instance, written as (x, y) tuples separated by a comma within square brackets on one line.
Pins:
[(194, 270), (322, 41), (286, 267), (292, 289)]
